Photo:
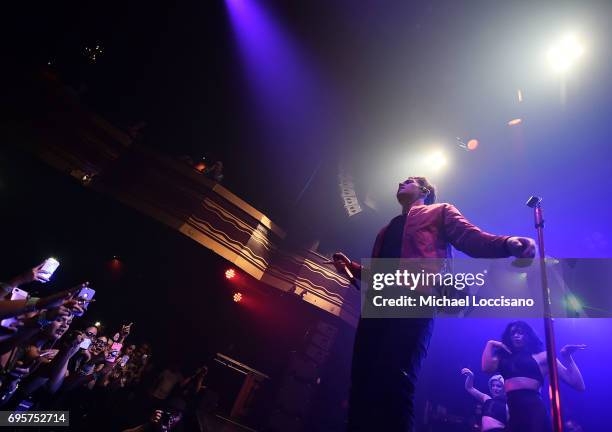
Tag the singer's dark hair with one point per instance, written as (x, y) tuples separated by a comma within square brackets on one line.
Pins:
[(422, 181), (533, 344)]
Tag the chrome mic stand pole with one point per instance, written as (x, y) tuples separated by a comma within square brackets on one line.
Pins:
[(555, 400)]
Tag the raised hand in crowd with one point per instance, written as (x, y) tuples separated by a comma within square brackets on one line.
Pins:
[(15, 308), (35, 274)]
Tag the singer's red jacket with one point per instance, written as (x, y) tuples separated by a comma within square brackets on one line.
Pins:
[(430, 230)]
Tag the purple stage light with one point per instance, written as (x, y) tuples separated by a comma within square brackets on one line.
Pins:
[(290, 99)]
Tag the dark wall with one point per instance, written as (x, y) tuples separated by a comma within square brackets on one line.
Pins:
[(171, 288)]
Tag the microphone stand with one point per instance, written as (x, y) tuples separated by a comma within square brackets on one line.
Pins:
[(551, 357)]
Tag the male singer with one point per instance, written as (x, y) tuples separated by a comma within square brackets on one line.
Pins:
[(388, 351)]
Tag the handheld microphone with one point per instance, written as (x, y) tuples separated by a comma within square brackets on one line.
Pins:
[(345, 267), (347, 272)]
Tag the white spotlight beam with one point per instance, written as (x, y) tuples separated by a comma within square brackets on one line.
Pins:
[(563, 55)]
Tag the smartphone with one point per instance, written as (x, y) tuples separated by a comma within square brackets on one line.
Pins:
[(84, 295), (85, 344), (49, 266), (16, 294), (111, 357), (124, 360)]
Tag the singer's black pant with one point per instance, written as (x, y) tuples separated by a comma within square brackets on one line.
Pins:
[(386, 360), (527, 412)]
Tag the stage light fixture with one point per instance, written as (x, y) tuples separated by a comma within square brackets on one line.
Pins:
[(237, 297), (471, 145), (230, 274), (514, 122), (563, 55), (115, 264)]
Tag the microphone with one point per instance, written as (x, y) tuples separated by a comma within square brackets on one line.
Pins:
[(347, 271)]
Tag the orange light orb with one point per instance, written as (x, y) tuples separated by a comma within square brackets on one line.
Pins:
[(472, 144)]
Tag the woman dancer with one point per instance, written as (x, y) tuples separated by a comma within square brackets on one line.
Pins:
[(521, 359), (494, 408)]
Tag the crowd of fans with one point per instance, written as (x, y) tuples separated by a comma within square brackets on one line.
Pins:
[(104, 381)]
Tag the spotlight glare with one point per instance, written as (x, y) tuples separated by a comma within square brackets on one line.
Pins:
[(573, 303), (237, 297), (515, 122), (472, 144), (563, 55), (97, 324), (436, 161)]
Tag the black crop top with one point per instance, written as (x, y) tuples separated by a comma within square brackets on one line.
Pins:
[(519, 364), (496, 408)]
